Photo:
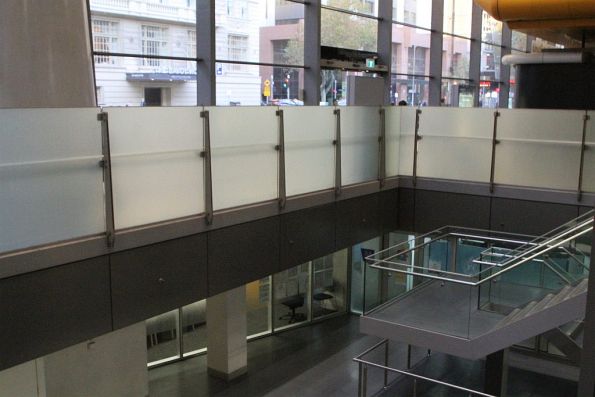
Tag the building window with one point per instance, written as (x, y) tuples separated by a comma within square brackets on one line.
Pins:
[(153, 42), (105, 39), (191, 44), (237, 46), (237, 8)]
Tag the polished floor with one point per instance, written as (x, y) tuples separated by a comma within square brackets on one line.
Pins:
[(317, 361)]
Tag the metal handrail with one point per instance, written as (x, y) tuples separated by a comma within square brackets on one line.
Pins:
[(521, 260), (360, 361)]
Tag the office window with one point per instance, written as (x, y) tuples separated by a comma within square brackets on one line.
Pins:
[(414, 12), (491, 29), (105, 39), (457, 17), (343, 30), (237, 47), (154, 42)]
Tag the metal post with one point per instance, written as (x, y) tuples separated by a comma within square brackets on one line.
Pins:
[(106, 164), (208, 176), (312, 76), (586, 119), (359, 380), (386, 364), (494, 143), (415, 141), (281, 160), (382, 148), (365, 381), (436, 44), (475, 49), (337, 143), (205, 53), (408, 356)]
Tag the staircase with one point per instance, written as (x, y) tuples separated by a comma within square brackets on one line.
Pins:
[(526, 294)]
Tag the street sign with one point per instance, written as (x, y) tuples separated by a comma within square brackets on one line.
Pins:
[(267, 89)]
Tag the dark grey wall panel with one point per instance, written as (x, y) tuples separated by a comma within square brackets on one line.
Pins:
[(306, 235), (389, 210), (584, 210), (406, 209), (437, 209), (357, 220), (48, 310), (242, 253), (529, 217), (151, 280)]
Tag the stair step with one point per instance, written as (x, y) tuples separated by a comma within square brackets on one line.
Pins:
[(579, 288), (540, 305), (560, 296), (506, 320)]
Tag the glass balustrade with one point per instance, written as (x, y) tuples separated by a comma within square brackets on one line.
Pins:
[(52, 186)]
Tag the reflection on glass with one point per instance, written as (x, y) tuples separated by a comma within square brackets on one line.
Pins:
[(291, 289), (412, 89), (253, 85), (258, 307), (490, 62), (329, 284), (457, 93), (194, 327), (456, 55), (519, 41), (410, 50), (467, 251), (162, 337), (457, 17), (418, 13), (372, 277), (333, 86), (398, 283), (348, 31), (362, 6), (128, 82), (491, 29)]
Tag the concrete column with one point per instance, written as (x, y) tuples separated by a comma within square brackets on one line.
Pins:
[(205, 51), (385, 43), (312, 79), (496, 373), (226, 334), (45, 56), (436, 40), (112, 365), (475, 50)]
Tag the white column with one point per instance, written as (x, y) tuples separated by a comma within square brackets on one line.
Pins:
[(226, 333), (45, 56)]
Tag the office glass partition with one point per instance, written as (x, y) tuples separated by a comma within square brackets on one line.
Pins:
[(456, 144), (291, 291), (244, 159), (194, 327), (360, 129), (157, 170), (329, 284), (406, 140), (162, 338), (258, 307), (50, 176), (392, 127), (530, 139), (309, 149), (364, 279), (398, 283), (589, 160)]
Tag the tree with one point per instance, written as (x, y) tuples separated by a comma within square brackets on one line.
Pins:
[(337, 30)]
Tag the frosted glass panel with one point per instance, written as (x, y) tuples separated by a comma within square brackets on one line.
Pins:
[(589, 162), (539, 148), (51, 185), (244, 158), (360, 128), (456, 144), (393, 132), (406, 141), (157, 171), (309, 149)]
